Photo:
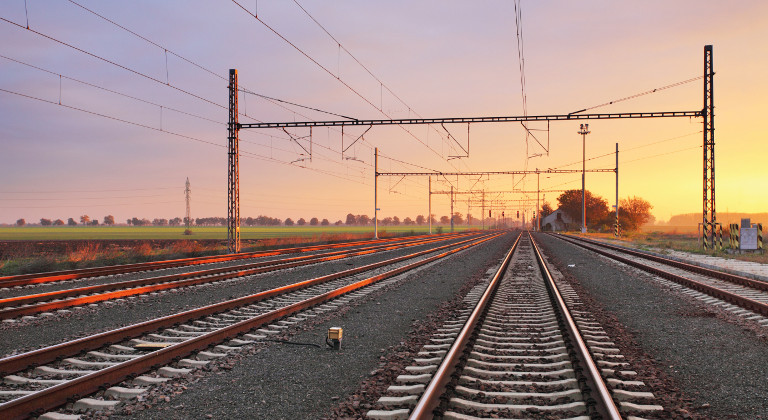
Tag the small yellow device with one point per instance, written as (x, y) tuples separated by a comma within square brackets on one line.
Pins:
[(334, 337)]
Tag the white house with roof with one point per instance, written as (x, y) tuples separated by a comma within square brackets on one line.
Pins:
[(557, 221)]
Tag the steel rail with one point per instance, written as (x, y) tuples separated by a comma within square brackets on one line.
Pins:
[(58, 395), (744, 302), (16, 363), (142, 286), (430, 399), (598, 389), (35, 278), (733, 278)]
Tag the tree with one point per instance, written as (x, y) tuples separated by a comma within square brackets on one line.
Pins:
[(21, 222), (58, 222), (363, 219), (301, 222), (159, 222), (85, 219), (314, 222), (94, 222), (109, 220), (386, 221), (176, 221), (420, 220), (458, 218), (597, 209), (325, 222), (45, 222), (71, 222), (408, 221), (445, 220), (351, 220), (633, 213), (396, 221), (289, 222), (339, 223), (546, 210)]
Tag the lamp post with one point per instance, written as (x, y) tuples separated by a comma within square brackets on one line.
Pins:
[(583, 131)]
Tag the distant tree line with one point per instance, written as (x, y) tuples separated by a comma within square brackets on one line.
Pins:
[(351, 220)]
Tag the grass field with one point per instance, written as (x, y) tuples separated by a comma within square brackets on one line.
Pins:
[(64, 233)]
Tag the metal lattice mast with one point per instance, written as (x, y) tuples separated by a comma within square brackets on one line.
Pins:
[(188, 195), (709, 219), (233, 186)]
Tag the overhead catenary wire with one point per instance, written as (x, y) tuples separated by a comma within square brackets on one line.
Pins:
[(329, 72), (363, 66)]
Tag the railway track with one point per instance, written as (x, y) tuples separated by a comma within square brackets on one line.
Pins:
[(44, 303), (739, 295), (524, 347), (150, 352), (56, 276)]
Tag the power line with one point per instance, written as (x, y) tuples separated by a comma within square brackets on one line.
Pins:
[(302, 52), (637, 95)]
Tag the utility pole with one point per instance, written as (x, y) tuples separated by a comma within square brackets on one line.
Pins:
[(583, 131), (429, 216), (188, 219), (616, 232), (451, 208), (482, 214), (538, 190), (376, 193), (233, 190)]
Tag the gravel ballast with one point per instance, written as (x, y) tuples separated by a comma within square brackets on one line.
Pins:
[(717, 363), (283, 381), (44, 331)]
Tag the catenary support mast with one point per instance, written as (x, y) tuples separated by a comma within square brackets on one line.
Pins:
[(233, 150), (709, 219)]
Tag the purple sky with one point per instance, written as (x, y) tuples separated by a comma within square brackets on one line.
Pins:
[(435, 59)]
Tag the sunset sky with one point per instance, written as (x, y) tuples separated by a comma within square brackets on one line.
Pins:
[(102, 152)]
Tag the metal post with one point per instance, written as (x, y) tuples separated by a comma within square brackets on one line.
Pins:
[(451, 208), (188, 219), (538, 209), (376, 193), (583, 131), (233, 190), (482, 213), (429, 216), (616, 232), (709, 215)]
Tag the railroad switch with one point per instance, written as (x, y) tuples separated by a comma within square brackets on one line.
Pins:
[(334, 337)]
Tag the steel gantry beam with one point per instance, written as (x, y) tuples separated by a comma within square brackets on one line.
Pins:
[(438, 173), (709, 215), (471, 120)]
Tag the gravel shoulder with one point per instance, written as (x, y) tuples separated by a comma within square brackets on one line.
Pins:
[(718, 364), (283, 381)]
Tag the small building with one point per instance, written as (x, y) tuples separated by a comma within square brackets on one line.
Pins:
[(557, 221)]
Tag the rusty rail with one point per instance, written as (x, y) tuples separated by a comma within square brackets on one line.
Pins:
[(58, 395), (598, 390), (36, 278), (746, 303), (436, 388), (140, 286)]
